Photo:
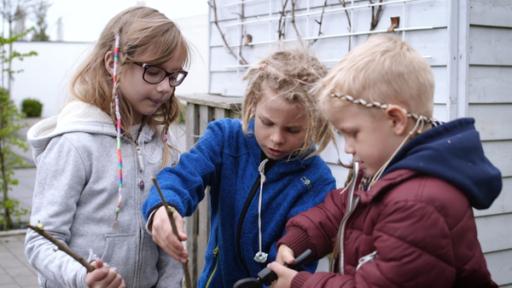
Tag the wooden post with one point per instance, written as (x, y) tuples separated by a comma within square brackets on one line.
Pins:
[(200, 110)]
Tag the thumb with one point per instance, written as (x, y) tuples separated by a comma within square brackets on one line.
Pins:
[(180, 224), (97, 264), (277, 267)]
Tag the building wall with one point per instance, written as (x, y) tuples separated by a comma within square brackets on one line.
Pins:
[(489, 101), (467, 44)]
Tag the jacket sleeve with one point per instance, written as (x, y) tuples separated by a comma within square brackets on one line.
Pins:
[(60, 178), (316, 228), (183, 185), (413, 249)]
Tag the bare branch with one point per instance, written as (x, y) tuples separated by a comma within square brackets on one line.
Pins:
[(62, 247), (213, 5), (281, 24), (294, 24), (242, 28), (170, 214), (349, 22), (376, 14), (319, 22)]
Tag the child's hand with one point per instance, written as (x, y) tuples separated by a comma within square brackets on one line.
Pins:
[(103, 276), (165, 238), (284, 274), (284, 255)]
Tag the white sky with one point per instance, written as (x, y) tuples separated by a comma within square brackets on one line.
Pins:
[(83, 20)]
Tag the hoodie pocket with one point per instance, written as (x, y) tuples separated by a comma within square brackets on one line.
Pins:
[(212, 273), (119, 251)]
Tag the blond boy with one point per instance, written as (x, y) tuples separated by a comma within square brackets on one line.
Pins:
[(408, 222)]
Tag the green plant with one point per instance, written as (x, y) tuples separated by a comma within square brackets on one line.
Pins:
[(31, 107), (9, 117)]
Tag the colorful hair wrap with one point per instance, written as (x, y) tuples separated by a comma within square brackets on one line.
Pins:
[(118, 127)]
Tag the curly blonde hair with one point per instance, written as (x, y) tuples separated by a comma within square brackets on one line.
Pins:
[(290, 74), (141, 30)]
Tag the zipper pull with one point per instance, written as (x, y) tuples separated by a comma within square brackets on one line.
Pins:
[(367, 258)]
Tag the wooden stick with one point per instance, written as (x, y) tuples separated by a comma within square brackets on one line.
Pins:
[(170, 213), (63, 247)]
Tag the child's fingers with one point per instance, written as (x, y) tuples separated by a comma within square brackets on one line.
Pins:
[(285, 255), (116, 281), (284, 275), (93, 278), (164, 237)]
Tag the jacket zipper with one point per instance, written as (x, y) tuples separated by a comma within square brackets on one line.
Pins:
[(342, 236), (350, 208), (210, 278), (245, 208)]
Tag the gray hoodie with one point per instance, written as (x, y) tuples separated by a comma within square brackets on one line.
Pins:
[(75, 196)]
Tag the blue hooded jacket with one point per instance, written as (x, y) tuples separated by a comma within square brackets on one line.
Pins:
[(453, 152), (227, 160)]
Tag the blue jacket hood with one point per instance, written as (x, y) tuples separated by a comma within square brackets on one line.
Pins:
[(453, 152)]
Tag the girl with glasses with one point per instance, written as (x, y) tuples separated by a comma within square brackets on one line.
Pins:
[(95, 159), (261, 170)]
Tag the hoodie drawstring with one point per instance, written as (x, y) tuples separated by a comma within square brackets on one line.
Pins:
[(260, 256)]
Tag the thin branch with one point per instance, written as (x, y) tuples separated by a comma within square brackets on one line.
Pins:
[(349, 22), (170, 213), (63, 247), (320, 22), (294, 24), (213, 5), (281, 24), (376, 14), (242, 28)]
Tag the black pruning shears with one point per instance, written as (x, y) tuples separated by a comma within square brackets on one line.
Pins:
[(267, 276)]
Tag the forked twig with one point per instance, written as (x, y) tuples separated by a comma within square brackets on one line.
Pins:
[(241, 59), (63, 247), (170, 213)]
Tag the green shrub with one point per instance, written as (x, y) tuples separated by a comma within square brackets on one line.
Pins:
[(31, 107)]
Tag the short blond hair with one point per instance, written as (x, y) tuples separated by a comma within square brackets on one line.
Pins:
[(384, 69), (290, 74)]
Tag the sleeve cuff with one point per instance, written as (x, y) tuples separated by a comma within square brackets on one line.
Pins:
[(149, 223), (296, 239), (300, 279)]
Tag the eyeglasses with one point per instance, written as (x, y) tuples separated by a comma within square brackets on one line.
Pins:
[(155, 75)]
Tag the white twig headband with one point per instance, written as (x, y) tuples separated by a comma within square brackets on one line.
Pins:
[(376, 104), (418, 127)]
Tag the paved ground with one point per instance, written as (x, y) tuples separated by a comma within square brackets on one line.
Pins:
[(15, 272)]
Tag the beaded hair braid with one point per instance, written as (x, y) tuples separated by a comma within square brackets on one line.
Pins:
[(115, 95)]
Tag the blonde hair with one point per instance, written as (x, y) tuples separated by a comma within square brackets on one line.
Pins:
[(290, 74), (141, 30), (384, 69)]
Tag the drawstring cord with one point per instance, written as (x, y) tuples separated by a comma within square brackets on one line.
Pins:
[(260, 256)]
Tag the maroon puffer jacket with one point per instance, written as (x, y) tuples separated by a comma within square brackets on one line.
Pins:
[(415, 231)]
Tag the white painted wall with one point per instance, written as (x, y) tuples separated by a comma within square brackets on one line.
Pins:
[(46, 76)]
